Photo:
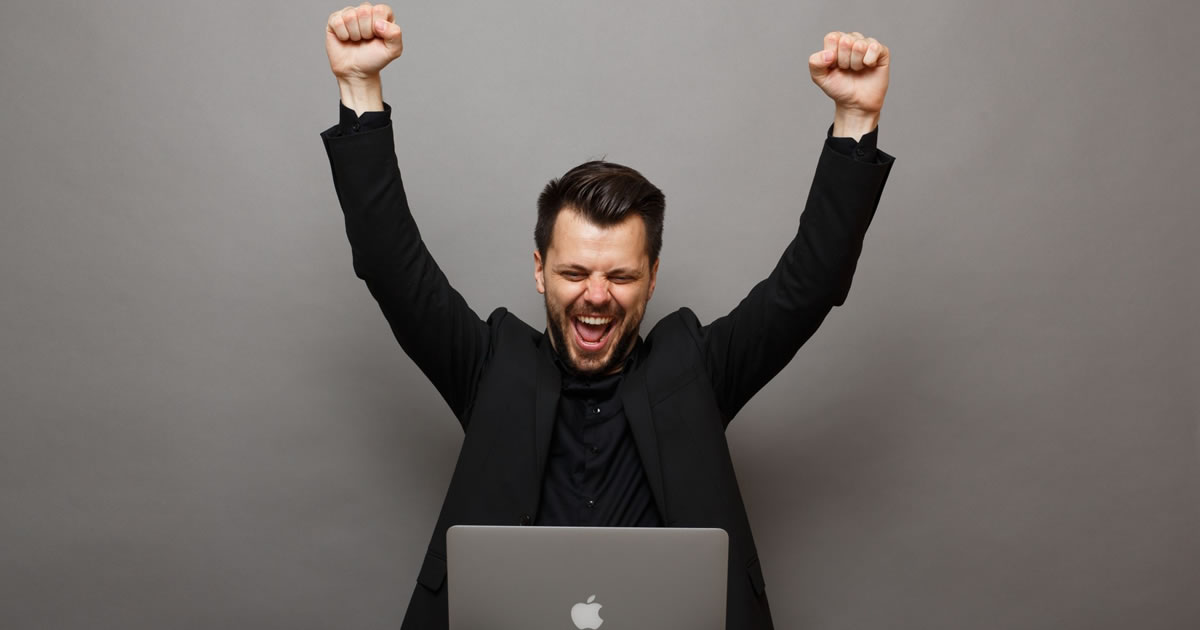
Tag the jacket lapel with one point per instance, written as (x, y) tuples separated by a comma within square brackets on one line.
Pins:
[(637, 410), (549, 384)]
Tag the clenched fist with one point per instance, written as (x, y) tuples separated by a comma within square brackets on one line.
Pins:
[(853, 71), (361, 40)]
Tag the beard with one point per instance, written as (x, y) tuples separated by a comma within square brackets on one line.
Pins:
[(622, 335)]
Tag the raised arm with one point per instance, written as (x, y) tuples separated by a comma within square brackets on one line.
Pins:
[(431, 320), (750, 345)]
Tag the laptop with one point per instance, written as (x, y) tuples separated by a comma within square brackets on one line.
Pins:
[(586, 578)]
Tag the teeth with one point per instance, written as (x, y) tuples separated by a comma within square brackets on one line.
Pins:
[(595, 321)]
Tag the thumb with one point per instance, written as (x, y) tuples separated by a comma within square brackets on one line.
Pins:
[(390, 33), (819, 64)]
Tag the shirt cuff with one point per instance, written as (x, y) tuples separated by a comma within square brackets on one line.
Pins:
[(863, 150), (350, 123)]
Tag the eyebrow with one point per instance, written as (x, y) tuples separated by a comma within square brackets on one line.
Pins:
[(622, 271)]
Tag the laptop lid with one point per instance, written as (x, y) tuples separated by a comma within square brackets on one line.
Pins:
[(585, 578)]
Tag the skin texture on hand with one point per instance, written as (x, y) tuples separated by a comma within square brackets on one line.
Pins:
[(360, 42), (853, 71)]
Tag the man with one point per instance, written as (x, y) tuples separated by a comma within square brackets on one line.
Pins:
[(591, 424)]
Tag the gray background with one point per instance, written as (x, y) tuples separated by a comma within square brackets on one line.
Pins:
[(206, 422)]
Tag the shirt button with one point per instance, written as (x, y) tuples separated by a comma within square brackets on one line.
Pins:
[(859, 152), (525, 519), (595, 410), (591, 503), (594, 449), (356, 127)]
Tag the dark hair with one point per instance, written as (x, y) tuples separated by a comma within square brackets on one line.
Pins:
[(605, 194)]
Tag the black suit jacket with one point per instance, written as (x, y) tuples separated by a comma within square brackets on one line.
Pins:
[(499, 377)]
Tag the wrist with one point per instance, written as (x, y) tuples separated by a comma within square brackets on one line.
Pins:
[(854, 123), (361, 94)]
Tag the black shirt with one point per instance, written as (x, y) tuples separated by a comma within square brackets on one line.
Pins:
[(594, 475)]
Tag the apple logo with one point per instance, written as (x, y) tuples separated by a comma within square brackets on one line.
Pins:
[(586, 616)]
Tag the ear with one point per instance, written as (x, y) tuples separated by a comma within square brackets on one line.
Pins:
[(653, 278), (539, 272)]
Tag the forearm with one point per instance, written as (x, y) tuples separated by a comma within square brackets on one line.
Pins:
[(851, 123), (363, 94)]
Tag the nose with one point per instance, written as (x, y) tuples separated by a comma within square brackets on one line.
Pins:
[(596, 293)]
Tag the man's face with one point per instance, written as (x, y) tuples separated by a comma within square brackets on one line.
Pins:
[(597, 281)]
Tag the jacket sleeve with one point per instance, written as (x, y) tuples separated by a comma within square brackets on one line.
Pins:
[(748, 347), (432, 321)]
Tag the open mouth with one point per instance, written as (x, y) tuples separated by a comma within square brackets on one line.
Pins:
[(592, 331)]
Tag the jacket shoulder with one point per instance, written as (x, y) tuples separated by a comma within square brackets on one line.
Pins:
[(503, 323), (513, 342), (672, 355)]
